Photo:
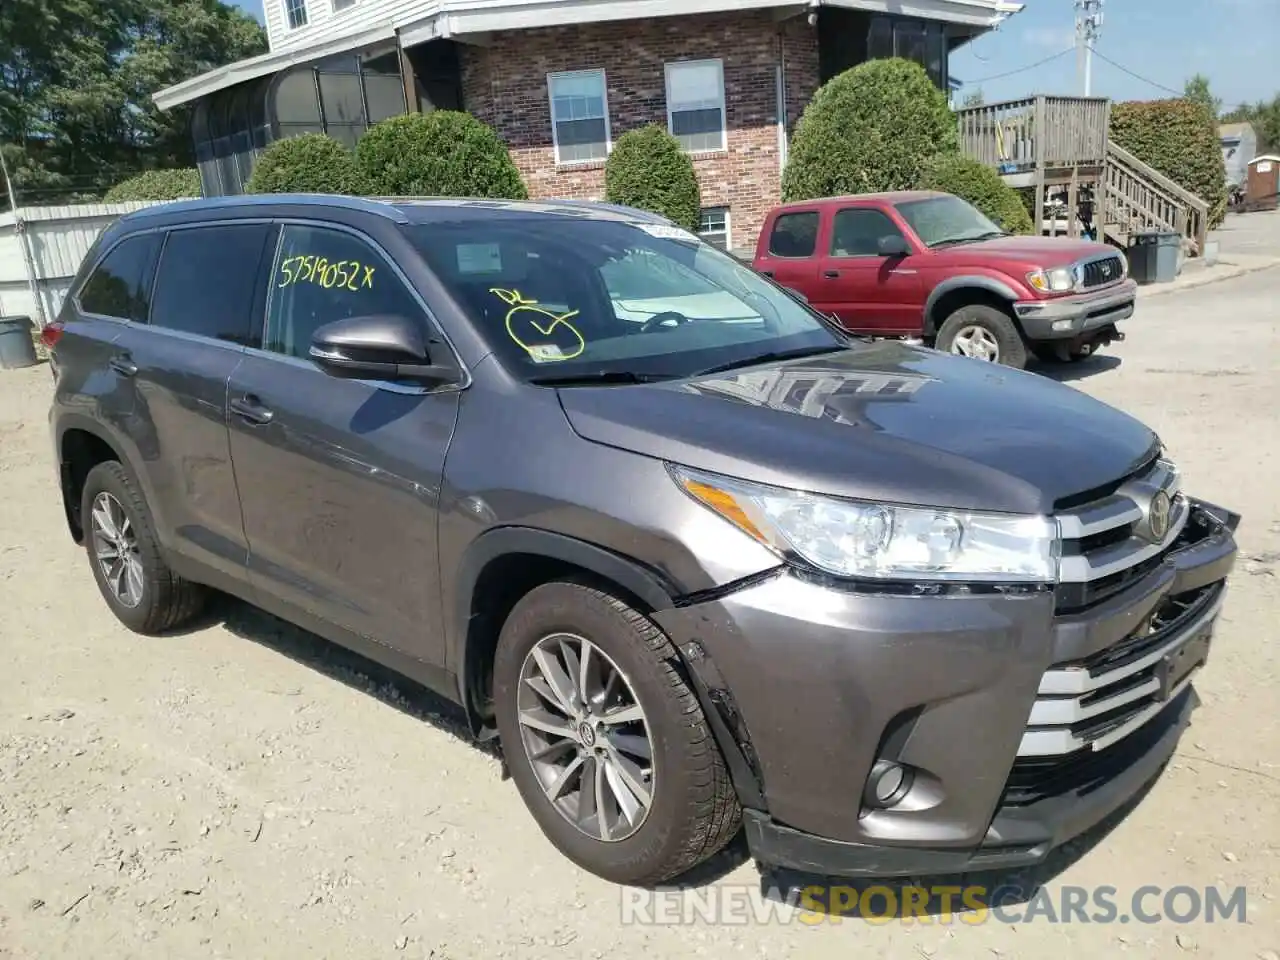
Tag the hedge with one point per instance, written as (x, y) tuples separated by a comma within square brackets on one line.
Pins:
[(871, 128), (981, 186), (311, 163), (157, 185), (439, 154), (648, 169), (1180, 139)]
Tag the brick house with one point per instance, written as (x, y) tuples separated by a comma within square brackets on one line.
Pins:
[(560, 80)]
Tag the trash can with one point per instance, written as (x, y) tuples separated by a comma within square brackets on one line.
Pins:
[(16, 346), (1153, 256)]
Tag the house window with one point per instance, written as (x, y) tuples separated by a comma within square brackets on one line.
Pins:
[(295, 12), (579, 115), (713, 226), (340, 5), (695, 104)]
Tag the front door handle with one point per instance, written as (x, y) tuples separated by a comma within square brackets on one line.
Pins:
[(123, 365), (251, 409), (766, 273), (831, 274)]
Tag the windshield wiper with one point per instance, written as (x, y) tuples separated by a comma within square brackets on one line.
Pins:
[(603, 377), (769, 358), (989, 235)]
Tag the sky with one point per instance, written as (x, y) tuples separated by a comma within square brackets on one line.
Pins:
[(1232, 42)]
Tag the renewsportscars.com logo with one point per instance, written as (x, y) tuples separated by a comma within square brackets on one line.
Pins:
[(740, 904)]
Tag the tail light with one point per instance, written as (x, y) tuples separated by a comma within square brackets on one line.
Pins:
[(51, 334)]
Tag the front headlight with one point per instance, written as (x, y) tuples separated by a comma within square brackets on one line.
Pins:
[(881, 541), (1058, 280)]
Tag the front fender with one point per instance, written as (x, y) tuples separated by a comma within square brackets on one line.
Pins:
[(977, 281)]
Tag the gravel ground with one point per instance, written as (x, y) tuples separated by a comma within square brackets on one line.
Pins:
[(243, 790)]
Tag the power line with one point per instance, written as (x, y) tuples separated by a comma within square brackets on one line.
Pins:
[(1030, 66), (1138, 76)]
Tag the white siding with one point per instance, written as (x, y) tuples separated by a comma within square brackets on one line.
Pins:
[(58, 239), (323, 24)]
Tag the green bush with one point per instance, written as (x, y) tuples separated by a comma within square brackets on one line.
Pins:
[(869, 129), (311, 163), (439, 154), (157, 185), (981, 186), (1180, 139), (649, 170)]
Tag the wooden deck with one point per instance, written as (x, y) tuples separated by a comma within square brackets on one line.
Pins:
[(1048, 143)]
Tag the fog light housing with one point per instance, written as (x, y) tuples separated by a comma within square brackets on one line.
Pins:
[(1062, 325), (888, 783)]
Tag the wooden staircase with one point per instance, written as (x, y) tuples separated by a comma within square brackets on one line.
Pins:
[(1137, 197), (1060, 144)]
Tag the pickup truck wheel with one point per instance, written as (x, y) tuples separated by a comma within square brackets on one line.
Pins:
[(983, 333), (144, 594), (607, 744)]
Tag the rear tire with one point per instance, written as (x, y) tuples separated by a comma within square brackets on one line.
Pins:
[(692, 810), (984, 333), (124, 554)]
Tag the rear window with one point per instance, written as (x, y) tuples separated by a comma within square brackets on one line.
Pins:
[(207, 280), (794, 235), (120, 285)]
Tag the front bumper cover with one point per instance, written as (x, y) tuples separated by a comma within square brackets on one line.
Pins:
[(812, 683), (1067, 318)]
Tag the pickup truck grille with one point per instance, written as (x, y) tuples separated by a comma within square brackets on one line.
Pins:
[(1098, 273)]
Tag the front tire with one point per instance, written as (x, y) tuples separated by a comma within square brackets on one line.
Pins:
[(124, 553), (607, 744), (983, 333)]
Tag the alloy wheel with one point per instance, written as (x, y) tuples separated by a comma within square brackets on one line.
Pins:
[(115, 548), (977, 342), (586, 736)]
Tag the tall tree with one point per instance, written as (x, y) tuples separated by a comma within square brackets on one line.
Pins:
[(1265, 118), (76, 79), (1197, 90)]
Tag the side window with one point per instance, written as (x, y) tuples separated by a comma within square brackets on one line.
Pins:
[(794, 235), (857, 232), (324, 275), (120, 286), (207, 278)]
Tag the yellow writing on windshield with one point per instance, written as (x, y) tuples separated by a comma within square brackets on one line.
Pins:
[(342, 274), (531, 325)]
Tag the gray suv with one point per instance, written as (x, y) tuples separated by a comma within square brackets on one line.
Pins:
[(701, 561)]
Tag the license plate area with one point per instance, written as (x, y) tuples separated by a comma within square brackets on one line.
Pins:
[(1177, 665)]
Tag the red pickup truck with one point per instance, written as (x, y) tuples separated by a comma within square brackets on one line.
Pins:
[(929, 265)]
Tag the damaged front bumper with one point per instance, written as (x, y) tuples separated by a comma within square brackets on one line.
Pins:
[(813, 687)]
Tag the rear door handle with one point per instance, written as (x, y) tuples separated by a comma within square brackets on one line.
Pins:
[(831, 274), (766, 273), (123, 365), (251, 409)]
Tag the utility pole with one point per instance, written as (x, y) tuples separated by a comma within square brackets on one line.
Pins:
[(1088, 26), (21, 233)]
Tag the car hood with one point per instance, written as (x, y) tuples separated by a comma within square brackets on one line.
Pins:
[(886, 421), (1039, 251)]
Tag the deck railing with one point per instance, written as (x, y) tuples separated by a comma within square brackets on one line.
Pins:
[(1016, 136), (1139, 197)]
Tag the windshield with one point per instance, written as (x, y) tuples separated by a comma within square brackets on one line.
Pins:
[(562, 299), (943, 220)]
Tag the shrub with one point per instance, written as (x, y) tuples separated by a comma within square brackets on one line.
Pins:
[(157, 185), (1180, 139), (439, 154), (649, 170), (981, 186), (311, 163), (868, 129)]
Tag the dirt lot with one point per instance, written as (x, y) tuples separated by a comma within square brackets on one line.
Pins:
[(243, 791)]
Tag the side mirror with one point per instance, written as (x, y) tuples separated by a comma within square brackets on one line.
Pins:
[(378, 347), (894, 245)]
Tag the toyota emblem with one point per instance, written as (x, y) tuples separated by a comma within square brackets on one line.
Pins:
[(1158, 515)]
